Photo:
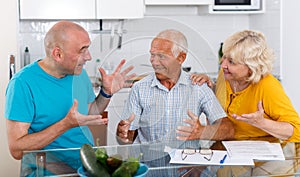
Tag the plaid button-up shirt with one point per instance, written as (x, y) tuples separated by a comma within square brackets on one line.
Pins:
[(158, 110)]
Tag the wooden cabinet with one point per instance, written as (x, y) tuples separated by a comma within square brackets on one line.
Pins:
[(57, 9)]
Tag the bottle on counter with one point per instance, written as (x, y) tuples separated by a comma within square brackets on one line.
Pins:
[(12, 66), (97, 74), (26, 59), (220, 53)]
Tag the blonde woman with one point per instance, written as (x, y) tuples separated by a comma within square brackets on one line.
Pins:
[(252, 97)]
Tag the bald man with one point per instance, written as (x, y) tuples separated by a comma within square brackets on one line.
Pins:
[(50, 102)]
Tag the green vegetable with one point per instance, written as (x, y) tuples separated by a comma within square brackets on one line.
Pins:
[(89, 162), (101, 155), (114, 161), (128, 168), (122, 171)]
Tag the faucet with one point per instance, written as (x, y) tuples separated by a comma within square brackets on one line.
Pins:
[(120, 33), (12, 66)]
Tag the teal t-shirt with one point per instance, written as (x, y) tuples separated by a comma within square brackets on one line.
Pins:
[(35, 97)]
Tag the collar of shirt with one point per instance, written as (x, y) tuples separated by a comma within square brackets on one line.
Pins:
[(183, 79)]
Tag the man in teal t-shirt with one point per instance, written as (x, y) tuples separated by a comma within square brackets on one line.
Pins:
[(50, 103), (41, 100)]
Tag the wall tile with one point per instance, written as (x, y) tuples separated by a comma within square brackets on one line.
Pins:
[(204, 33)]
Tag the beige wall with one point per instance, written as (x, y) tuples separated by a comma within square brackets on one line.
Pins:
[(8, 45)]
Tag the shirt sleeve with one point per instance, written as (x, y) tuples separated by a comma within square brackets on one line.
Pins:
[(278, 107), (132, 106), (19, 102), (210, 105)]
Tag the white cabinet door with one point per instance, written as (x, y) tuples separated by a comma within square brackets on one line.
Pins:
[(57, 9), (115, 109), (120, 9)]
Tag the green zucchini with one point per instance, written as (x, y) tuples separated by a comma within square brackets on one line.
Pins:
[(89, 162)]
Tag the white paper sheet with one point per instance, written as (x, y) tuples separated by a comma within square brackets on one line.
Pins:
[(197, 158), (258, 150)]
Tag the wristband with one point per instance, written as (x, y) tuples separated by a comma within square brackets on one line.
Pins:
[(105, 94)]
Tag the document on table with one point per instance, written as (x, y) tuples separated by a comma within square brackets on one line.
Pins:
[(216, 158), (259, 150)]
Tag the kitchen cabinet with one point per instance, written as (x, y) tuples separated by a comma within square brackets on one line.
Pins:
[(119, 9), (115, 109), (57, 9), (81, 9)]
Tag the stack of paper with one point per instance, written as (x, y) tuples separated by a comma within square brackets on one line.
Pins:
[(217, 157), (238, 153), (258, 150)]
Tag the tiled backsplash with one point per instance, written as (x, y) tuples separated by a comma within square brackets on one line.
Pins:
[(204, 34)]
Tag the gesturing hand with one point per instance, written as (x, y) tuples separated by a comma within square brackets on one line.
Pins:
[(74, 118), (191, 132), (117, 80), (123, 129), (254, 118)]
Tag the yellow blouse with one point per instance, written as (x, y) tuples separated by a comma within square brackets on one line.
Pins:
[(276, 104)]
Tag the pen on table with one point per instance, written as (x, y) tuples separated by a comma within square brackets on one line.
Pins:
[(223, 160)]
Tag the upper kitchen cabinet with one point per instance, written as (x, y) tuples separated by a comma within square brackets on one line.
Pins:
[(81, 9), (120, 9), (57, 9)]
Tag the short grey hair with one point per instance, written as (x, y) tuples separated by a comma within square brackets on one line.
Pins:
[(177, 38)]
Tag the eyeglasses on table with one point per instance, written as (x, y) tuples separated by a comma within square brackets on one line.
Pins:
[(206, 153)]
